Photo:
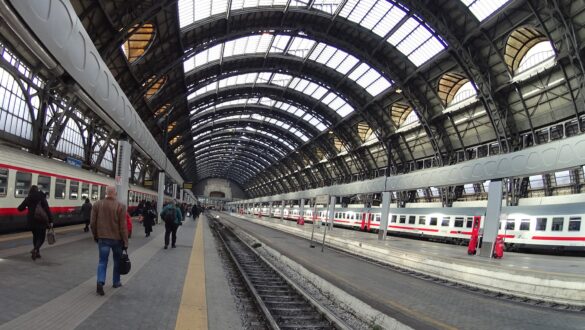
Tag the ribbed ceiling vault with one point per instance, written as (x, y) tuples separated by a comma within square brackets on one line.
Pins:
[(301, 94)]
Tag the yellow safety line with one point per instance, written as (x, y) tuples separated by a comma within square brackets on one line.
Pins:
[(13, 237), (193, 309)]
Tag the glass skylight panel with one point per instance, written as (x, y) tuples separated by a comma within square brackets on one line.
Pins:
[(378, 86), (389, 21), (416, 41), (328, 6), (482, 9), (279, 44), (300, 47)]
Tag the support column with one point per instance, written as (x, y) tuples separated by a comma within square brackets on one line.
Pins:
[(123, 170), (301, 220), (161, 193), (386, 198), (492, 218), (175, 190), (331, 212), (282, 211), (269, 209)]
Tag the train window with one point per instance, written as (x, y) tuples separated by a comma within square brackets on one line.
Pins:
[(459, 222), (94, 192), (3, 182), (541, 224), (393, 218), (445, 222), (73, 189), (84, 190), (44, 183), (525, 224), (422, 220), (557, 224), (433, 221), (511, 224), (130, 196), (469, 223), (574, 223), (60, 188), (412, 219), (102, 192), (402, 219), (377, 218), (22, 184)]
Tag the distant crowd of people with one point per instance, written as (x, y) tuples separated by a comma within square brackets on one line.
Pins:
[(110, 224)]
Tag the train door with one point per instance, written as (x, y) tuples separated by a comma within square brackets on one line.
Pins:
[(474, 240)]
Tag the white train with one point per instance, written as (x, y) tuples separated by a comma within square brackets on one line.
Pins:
[(549, 227), (67, 187)]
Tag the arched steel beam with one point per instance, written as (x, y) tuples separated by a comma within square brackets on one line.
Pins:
[(256, 141), (249, 159), (231, 144), (263, 110), (253, 156), (471, 60), (244, 173), (219, 164)]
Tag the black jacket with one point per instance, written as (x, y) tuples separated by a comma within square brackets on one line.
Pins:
[(86, 211), (149, 216), (31, 202)]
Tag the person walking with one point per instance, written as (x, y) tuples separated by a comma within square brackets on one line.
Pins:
[(172, 217), (148, 218), (86, 214), (109, 230), (37, 220)]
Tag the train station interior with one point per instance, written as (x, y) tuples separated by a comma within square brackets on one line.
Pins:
[(327, 164)]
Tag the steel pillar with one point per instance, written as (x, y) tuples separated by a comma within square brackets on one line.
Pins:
[(123, 170), (383, 229), (161, 193), (492, 218), (282, 211), (331, 212)]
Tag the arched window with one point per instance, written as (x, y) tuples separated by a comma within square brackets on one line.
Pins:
[(456, 91), (14, 112), (155, 84), (399, 112), (140, 38), (107, 160), (162, 110), (71, 141), (528, 52)]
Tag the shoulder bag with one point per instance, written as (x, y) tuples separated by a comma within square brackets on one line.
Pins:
[(40, 216)]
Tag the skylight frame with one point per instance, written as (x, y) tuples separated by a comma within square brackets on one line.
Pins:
[(381, 17), (484, 9), (266, 78)]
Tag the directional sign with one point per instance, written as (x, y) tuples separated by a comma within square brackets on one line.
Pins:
[(322, 199)]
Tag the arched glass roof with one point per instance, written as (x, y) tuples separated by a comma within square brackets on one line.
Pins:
[(314, 90), (258, 117), (483, 9), (301, 47), (266, 101), (229, 141), (388, 19), (250, 129)]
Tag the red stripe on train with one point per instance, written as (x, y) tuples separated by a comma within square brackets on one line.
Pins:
[(413, 228), (54, 210), (557, 238)]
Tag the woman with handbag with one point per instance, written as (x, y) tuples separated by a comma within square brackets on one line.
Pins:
[(39, 218)]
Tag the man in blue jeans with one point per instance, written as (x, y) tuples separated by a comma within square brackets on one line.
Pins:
[(108, 226)]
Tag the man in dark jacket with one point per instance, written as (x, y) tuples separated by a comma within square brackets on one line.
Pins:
[(148, 218), (86, 214), (172, 217), (38, 225)]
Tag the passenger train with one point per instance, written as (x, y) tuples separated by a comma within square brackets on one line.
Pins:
[(553, 228), (67, 187)]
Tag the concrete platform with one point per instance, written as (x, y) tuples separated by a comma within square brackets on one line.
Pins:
[(165, 289), (414, 302), (556, 279)]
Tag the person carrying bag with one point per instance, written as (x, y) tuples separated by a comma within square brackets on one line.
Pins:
[(173, 218), (39, 217)]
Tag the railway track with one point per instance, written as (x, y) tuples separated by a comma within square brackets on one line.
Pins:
[(282, 304)]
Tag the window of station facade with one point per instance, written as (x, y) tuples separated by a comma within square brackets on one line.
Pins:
[(469, 189), (557, 224), (539, 55), (563, 178), (22, 184), (44, 184), (541, 224), (3, 182), (84, 190), (15, 116), (60, 187), (71, 141), (73, 190), (536, 182)]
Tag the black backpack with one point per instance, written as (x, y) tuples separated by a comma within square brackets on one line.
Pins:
[(169, 216)]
